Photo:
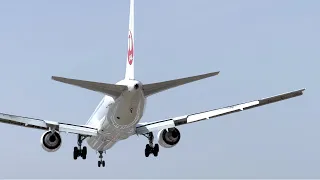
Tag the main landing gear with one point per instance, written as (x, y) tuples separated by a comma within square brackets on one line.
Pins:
[(78, 151), (149, 147), (101, 162)]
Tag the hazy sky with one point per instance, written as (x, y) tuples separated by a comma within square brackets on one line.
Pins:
[(262, 48)]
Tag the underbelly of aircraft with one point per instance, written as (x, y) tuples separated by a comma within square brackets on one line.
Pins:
[(106, 140), (119, 123), (127, 113)]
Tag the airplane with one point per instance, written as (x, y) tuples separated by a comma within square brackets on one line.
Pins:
[(118, 115)]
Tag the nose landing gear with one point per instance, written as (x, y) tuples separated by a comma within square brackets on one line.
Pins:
[(101, 162)]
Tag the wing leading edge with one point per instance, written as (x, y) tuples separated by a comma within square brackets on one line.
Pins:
[(144, 128), (46, 125)]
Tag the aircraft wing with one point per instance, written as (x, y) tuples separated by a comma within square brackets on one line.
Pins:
[(143, 128), (46, 125)]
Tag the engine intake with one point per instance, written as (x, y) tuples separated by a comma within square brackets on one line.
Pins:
[(51, 142), (169, 138)]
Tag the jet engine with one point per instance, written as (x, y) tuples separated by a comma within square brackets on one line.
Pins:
[(168, 138), (50, 142)]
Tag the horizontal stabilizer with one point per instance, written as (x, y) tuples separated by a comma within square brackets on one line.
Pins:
[(150, 89), (109, 89)]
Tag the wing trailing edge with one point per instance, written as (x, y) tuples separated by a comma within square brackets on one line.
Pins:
[(45, 125), (143, 128)]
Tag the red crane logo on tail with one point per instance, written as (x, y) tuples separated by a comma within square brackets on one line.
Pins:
[(130, 49)]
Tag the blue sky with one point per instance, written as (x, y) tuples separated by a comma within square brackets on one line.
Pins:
[(262, 48)]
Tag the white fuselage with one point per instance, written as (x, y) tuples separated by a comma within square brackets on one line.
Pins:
[(116, 118)]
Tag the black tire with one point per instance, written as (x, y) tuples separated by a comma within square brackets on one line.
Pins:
[(99, 163), (146, 153), (156, 147), (75, 153), (103, 164), (84, 152), (156, 150), (147, 150)]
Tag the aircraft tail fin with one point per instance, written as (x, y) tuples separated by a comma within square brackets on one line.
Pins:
[(108, 89), (130, 56), (153, 88)]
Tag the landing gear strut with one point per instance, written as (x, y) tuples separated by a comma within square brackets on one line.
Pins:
[(101, 162), (78, 151), (150, 148)]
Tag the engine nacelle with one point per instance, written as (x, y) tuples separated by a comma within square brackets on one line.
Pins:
[(50, 142), (168, 138)]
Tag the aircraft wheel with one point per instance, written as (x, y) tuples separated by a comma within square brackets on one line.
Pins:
[(75, 153), (103, 164), (156, 150), (147, 150), (84, 152)]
